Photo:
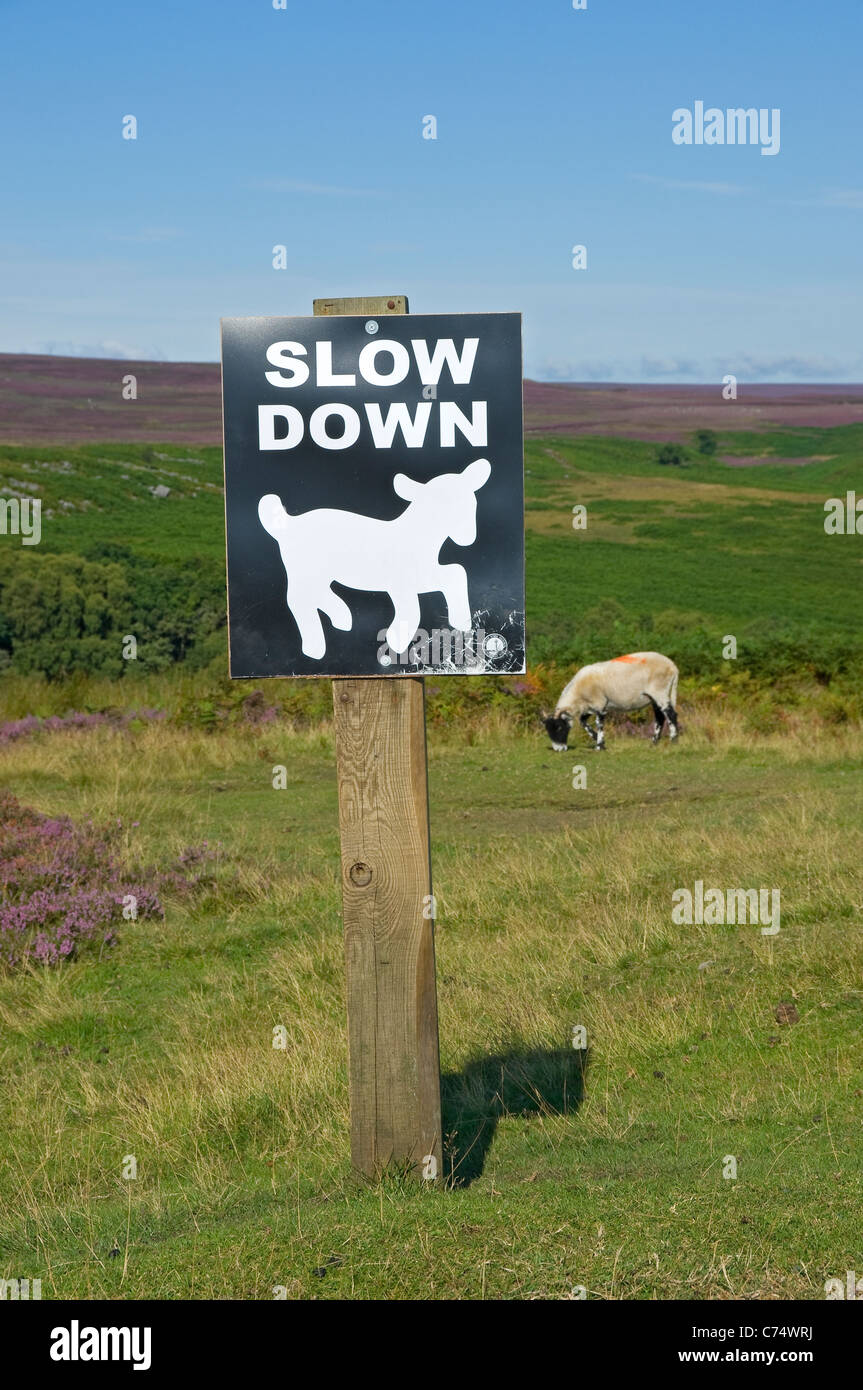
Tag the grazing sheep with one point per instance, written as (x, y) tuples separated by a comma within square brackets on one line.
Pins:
[(399, 557), (626, 683)]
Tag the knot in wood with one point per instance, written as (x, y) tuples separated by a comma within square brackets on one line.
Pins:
[(360, 875)]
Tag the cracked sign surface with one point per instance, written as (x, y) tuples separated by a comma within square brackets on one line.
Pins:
[(374, 495)]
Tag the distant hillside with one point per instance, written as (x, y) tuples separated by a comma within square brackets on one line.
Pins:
[(673, 558), (72, 400), (76, 400)]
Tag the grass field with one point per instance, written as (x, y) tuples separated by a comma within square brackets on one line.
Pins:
[(671, 558), (602, 1170), (605, 1169)]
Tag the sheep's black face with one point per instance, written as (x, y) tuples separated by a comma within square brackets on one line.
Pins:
[(558, 732)]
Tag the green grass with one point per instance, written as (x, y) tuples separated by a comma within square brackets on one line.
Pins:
[(601, 1170), (678, 558), (554, 909), (683, 556), (837, 452), (99, 494)]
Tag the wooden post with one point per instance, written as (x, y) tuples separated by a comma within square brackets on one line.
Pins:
[(388, 906)]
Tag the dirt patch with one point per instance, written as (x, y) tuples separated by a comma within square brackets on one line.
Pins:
[(677, 490)]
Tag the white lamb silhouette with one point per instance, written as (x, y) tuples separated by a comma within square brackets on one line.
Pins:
[(398, 557)]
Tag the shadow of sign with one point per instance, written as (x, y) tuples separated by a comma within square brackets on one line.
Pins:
[(526, 1082)]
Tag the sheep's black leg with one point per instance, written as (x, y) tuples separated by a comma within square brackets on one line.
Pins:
[(671, 716), (582, 719), (600, 734), (659, 720)]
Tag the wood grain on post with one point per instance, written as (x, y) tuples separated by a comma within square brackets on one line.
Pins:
[(387, 900), (374, 304)]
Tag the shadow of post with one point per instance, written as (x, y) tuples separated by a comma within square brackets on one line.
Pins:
[(523, 1082)]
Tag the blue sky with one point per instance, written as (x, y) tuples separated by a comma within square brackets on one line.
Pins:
[(303, 127)]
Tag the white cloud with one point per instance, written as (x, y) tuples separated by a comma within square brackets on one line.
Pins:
[(571, 371), (669, 367), (692, 185), (397, 247), (747, 367), (844, 198), (106, 348), (831, 198), (326, 189), (793, 367), (146, 234)]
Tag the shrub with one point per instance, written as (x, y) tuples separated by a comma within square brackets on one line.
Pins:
[(60, 614), (74, 719), (62, 885), (671, 454), (706, 442)]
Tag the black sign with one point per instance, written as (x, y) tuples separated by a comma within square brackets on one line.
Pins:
[(374, 495)]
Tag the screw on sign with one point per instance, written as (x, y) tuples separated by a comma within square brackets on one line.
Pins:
[(375, 533)]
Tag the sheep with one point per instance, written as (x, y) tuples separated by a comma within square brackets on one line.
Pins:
[(625, 683), (399, 557)]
